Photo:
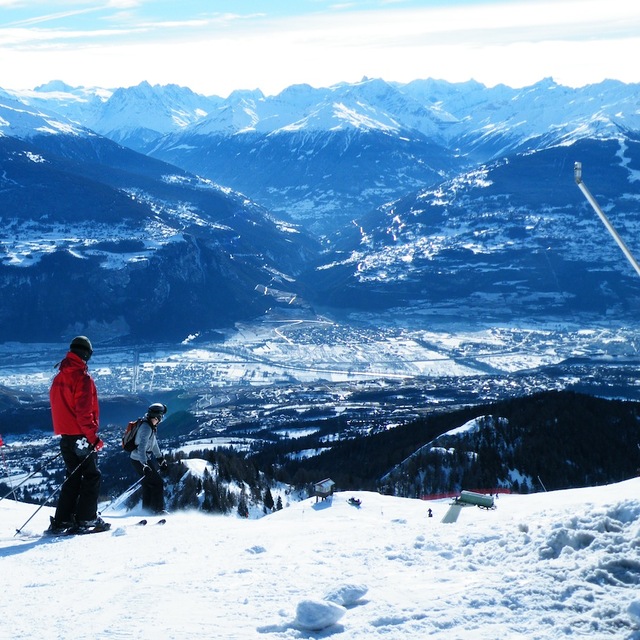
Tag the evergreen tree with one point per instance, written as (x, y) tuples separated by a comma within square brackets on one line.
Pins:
[(268, 499), (243, 509)]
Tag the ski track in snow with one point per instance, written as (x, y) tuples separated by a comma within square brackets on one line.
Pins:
[(564, 564)]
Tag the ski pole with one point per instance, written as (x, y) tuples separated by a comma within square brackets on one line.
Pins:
[(4, 464), (123, 496), (33, 473), (51, 496), (577, 173)]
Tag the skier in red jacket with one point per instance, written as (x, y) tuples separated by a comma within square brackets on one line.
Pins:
[(75, 415)]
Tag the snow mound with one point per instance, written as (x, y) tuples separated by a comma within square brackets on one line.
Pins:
[(315, 615), (634, 610), (564, 540), (347, 595)]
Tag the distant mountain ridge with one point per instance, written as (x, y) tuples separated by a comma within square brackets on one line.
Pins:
[(324, 156), (443, 111)]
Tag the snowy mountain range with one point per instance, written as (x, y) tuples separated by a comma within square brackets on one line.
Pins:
[(447, 201), (323, 156)]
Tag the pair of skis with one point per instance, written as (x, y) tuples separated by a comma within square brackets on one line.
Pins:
[(141, 523), (144, 522), (80, 532)]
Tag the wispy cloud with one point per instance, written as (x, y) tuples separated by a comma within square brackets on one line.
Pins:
[(62, 15), (123, 4)]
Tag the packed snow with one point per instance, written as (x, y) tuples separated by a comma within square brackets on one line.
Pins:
[(562, 564)]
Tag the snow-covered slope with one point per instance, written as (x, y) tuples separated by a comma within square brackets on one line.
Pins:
[(20, 121), (544, 566), (136, 115), (131, 116)]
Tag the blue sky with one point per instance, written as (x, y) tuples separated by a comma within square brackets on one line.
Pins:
[(217, 46)]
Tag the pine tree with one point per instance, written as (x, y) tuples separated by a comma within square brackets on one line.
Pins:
[(243, 509), (268, 499)]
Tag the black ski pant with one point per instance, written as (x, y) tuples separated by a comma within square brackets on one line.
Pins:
[(79, 493), (152, 486)]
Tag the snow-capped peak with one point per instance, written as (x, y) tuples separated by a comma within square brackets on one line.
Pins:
[(20, 121)]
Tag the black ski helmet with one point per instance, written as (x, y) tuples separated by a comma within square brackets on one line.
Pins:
[(157, 410), (81, 346)]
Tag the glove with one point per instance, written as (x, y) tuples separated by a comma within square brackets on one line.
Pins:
[(147, 470), (83, 448), (163, 464), (98, 444)]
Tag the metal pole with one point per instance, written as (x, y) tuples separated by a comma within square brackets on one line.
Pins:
[(53, 494), (123, 496), (6, 470), (33, 473), (577, 173), (542, 484)]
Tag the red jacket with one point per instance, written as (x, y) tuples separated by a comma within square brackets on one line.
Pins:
[(74, 400)]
